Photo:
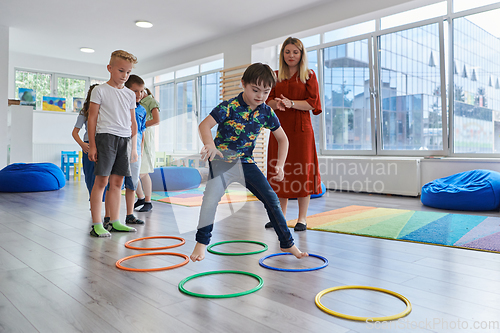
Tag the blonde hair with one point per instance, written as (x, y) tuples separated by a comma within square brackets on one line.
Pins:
[(284, 71), (123, 55)]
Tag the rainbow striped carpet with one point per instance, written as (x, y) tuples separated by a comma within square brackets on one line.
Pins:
[(194, 197), (455, 230)]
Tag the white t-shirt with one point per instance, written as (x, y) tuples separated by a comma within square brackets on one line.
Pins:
[(114, 111)]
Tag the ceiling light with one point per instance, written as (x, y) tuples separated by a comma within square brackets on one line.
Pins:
[(143, 24), (87, 50)]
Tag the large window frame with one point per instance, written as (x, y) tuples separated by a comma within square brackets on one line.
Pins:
[(196, 79), (446, 60), (450, 78), (378, 89), (321, 75)]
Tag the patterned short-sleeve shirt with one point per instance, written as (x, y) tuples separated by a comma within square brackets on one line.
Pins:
[(239, 127)]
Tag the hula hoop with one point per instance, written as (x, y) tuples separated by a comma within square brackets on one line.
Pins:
[(127, 244), (209, 249), (317, 300), (261, 262), (182, 289), (118, 263)]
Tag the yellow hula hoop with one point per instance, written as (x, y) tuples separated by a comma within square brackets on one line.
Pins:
[(341, 315)]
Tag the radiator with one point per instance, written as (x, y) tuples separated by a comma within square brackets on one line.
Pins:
[(386, 175)]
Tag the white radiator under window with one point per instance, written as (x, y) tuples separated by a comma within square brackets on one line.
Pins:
[(398, 175)]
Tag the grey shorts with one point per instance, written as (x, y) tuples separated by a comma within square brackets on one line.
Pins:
[(113, 155), (132, 181)]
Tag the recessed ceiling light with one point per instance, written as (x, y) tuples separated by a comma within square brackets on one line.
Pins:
[(87, 50), (143, 24)]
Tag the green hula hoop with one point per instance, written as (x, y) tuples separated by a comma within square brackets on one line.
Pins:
[(209, 249), (182, 289)]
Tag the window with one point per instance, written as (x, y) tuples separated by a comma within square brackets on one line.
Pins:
[(97, 81), (350, 31), (310, 41), (385, 92), (476, 105), (209, 95), (70, 88), (410, 85), (166, 130), (186, 117), (461, 5), (53, 84), (346, 96), (312, 58), (184, 102), (39, 82), (187, 71), (414, 15), (212, 65), (164, 77)]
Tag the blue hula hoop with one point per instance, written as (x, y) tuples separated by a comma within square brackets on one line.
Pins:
[(261, 262)]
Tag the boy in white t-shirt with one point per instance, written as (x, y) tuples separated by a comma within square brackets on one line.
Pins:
[(111, 124)]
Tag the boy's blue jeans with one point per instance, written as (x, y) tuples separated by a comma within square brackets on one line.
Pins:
[(222, 174)]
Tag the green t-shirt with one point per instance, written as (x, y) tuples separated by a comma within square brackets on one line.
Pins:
[(149, 104)]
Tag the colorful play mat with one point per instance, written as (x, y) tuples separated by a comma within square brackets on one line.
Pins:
[(194, 197), (440, 228)]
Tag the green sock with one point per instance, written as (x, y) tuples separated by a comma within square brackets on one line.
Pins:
[(117, 226), (99, 231)]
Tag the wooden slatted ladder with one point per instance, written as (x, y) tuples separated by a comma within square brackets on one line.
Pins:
[(230, 80)]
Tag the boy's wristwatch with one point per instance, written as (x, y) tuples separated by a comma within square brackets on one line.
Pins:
[(293, 104)]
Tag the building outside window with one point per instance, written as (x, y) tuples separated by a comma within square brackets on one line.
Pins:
[(410, 84), (476, 71), (346, 96)]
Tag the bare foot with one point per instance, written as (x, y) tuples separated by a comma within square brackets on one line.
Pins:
[(296, 252), (198, 252)]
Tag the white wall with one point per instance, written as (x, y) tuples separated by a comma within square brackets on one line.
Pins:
[(52, 134), (40, 136), (4, 75), (21, 134)]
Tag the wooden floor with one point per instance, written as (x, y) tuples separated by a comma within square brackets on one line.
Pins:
[(54, 277)]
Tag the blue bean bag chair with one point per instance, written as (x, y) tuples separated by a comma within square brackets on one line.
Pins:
[(323, 191), (175, 179), (473, 190), (31, 177)]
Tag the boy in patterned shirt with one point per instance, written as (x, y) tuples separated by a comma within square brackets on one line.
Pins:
[(230, 155)]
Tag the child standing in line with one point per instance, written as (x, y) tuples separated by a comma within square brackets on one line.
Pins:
[(145, 188), (81, 120), (230, 155), (111, 124), (136, 84), (88, 166)]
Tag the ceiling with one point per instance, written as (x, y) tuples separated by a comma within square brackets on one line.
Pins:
[(58, 29)]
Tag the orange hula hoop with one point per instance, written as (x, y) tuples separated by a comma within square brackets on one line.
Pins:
[(118, 263), (127, 244)]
